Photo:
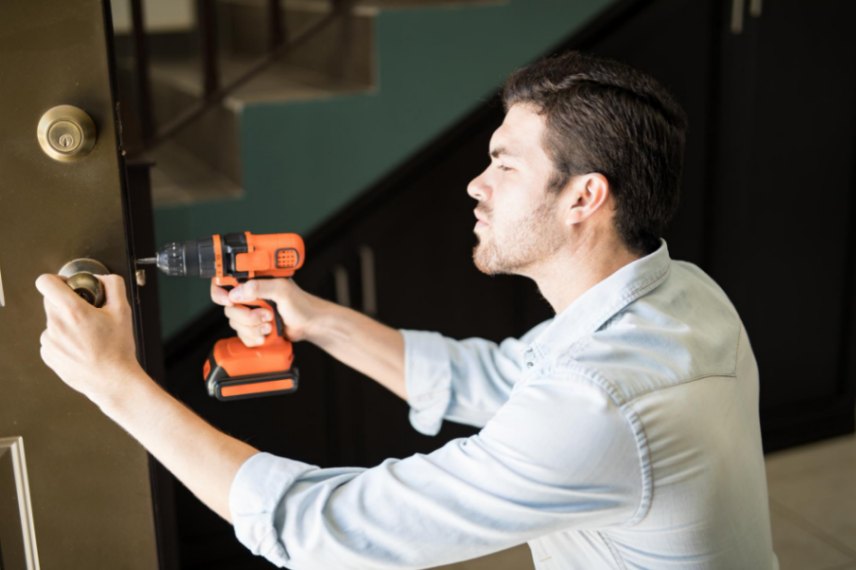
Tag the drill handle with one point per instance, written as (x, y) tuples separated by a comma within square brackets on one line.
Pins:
[(279, 324)]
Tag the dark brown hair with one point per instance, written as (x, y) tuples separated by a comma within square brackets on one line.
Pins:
[(603, 116)]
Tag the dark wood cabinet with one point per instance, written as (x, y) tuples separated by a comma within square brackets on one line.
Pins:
[(782, 239), (767, 198)]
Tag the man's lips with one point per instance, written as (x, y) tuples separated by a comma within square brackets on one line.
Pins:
[(480, 217)]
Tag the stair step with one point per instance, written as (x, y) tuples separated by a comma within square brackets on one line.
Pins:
[(178, 84), (395, 4), (212, 142), (343, 50)]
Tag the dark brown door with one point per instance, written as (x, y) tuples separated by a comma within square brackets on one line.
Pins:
[(74, 488)]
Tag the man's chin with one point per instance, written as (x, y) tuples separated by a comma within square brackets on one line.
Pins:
[(479, 261), (485, 262)]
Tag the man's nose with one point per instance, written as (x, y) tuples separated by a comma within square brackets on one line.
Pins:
[(478, 188)]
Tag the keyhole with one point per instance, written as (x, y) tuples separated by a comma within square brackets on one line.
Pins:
[(86, 295), (66, 141)]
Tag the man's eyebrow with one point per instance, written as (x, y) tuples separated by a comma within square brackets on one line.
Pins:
[(495, 152)]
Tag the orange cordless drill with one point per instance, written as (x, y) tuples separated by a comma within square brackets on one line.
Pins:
[(234, 371)]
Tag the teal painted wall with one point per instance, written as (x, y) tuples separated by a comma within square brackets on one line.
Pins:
[(304, 161)]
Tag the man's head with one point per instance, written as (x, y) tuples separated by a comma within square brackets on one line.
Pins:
[(517, 226), (603, 117)]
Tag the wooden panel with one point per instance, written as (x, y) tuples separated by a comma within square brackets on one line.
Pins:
[(17, 536), (783, 209)]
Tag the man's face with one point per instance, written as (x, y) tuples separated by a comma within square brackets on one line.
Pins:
[(518, 224)]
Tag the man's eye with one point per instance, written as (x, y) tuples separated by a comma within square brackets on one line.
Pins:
[(503, 167)]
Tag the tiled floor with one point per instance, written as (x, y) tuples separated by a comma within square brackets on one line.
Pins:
[(812, 507)]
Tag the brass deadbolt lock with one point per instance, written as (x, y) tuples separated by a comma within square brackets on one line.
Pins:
[(80, 275), (66, 133)]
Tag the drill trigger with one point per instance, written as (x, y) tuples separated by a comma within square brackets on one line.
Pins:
[(277, 319)]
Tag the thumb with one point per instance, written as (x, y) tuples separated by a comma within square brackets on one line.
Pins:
[(56, 291)]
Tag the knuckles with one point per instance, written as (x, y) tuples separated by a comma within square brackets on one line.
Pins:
[(76, 314)]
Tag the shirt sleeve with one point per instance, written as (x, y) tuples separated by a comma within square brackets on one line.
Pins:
[(559, 455), (465, 381)]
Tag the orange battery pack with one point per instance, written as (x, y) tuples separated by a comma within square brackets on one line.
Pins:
[(235, 371)]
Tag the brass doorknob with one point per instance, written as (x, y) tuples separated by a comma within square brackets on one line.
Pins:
[(80, 275), (66, 133)]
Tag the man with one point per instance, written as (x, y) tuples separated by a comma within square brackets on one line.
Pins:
[(621, 433)]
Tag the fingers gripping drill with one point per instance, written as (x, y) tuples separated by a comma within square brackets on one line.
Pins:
[(234, 371)]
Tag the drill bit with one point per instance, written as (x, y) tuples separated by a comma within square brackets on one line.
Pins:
[(147, 261)]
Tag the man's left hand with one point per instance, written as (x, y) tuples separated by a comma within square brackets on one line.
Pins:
[(91, 349)]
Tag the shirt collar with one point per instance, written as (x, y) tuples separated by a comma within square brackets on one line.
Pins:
[(601, 302)]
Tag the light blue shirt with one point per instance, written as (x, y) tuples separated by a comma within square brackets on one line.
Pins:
[(623, 433)]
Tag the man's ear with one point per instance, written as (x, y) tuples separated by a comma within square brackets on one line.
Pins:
[(585, 195)]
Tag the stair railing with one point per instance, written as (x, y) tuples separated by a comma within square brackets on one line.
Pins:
[(214, 92)]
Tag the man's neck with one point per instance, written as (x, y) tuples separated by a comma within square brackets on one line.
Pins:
[(568, 274)]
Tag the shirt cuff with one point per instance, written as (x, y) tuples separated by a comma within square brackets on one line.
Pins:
[(254, 497), (428, 379)]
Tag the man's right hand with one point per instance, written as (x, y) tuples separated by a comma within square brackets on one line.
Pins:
[(295, 306), (360, 342)]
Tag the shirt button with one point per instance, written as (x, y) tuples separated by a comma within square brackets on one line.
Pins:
[(530, 364)]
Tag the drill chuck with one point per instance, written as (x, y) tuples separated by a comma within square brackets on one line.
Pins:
[(193, 258)]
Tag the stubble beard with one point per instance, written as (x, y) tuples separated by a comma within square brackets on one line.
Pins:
[(532, 239)]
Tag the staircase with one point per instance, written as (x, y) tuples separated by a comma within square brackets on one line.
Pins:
[(202, 161)]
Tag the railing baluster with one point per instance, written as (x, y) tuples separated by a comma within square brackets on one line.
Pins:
[(141, 72), (277, 31), (206, 11), (168, 130)]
